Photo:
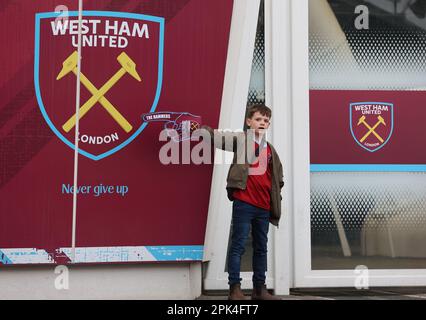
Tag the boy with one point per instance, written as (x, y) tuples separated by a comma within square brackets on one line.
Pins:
[(256, 196)]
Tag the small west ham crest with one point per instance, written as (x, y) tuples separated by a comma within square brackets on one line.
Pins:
[(371, 124)]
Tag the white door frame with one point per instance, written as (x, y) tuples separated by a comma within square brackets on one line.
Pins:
[(234, 100), (279, 96)]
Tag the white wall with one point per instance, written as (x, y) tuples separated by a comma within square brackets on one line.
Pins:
[(153, 281)]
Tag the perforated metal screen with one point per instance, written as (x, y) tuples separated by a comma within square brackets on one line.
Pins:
[(390, 55)]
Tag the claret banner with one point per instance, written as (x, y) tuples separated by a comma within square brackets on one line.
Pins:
[(138, 58), (378, 131)]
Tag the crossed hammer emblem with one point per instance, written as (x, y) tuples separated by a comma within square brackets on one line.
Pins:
[(372, 129), (127, 66)]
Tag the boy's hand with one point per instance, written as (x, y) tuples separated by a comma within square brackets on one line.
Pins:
[(179, 125)]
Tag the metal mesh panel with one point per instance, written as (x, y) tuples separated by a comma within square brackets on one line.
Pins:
[(257, 80), (391, 55), (380, 60), (364, 215)]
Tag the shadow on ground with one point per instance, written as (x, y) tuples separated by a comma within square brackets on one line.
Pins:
[(418, 293)]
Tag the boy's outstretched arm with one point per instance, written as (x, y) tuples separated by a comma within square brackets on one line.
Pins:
[(227, 141)]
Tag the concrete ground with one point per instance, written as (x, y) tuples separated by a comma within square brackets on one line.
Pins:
[(418, 293)]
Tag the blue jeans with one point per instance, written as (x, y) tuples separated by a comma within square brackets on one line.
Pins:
[(245, 215)]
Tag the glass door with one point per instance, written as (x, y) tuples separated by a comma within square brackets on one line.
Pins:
[(365, 221)]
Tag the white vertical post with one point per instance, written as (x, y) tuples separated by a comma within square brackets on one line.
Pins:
[(287, 82), (279, 98), (301, 142), (77, 125)]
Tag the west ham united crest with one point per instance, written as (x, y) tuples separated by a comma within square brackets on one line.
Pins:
[(121, 76), (371, 124)]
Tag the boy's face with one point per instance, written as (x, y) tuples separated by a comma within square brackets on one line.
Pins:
[(258, 122)]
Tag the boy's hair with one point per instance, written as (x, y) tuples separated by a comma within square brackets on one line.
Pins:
[(261, 108)]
